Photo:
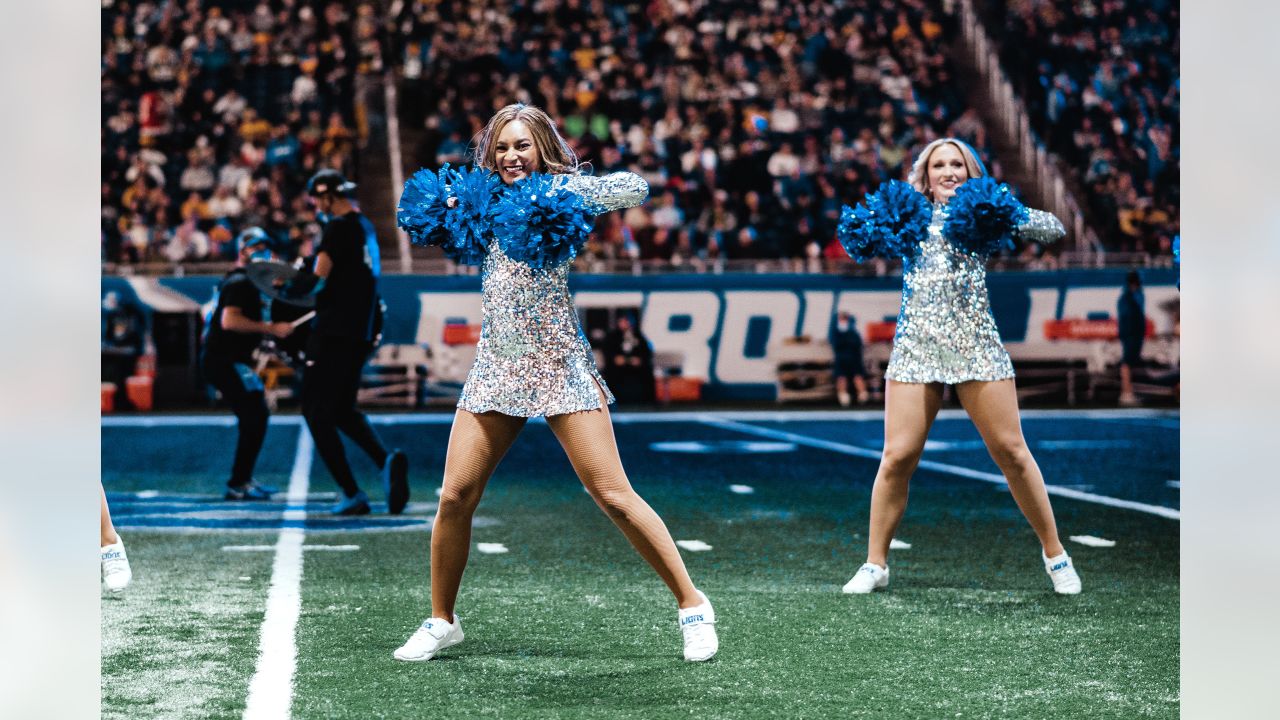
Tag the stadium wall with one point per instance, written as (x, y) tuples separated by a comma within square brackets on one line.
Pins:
[(727, 329)]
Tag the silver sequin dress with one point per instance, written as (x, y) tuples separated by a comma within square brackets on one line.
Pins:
[(946, 332), (533, 358)]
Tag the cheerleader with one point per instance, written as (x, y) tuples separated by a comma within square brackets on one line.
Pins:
[(946, 335), (532, 358)]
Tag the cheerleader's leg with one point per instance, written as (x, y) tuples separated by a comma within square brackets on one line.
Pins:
[(993, 407), (909, 411), (477, 443), (588, 440)]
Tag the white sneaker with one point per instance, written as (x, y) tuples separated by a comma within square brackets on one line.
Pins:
[(869, 577), (433, 636), (115, 566), (698, 625), (1063, 574)]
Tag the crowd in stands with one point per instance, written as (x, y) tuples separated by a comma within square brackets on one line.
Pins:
[(1100, 81), (216, 113), (752, 120)]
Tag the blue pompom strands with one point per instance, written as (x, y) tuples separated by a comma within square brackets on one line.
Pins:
[(469, 223), (540, 224), (423, 208), (856, 233), (1177, 258), (894, 220), (983, 217), (900, 217)]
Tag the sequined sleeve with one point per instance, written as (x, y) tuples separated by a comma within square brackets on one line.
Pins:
[(1041, 227), (614, 191)]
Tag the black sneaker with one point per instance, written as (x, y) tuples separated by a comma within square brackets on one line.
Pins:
[(395, 481), (248, 491)]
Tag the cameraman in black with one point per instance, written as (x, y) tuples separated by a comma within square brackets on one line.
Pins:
[(344, 333)]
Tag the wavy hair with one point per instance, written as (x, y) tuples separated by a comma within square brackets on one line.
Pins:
[(554, 154)]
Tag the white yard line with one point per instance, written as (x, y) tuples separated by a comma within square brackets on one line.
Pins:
[(271, 689), (958, 470)]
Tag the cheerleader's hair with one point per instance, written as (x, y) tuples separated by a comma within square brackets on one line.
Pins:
[(554, 154), (919, 176)]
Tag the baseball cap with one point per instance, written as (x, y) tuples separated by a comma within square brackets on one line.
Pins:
[(329, 181)]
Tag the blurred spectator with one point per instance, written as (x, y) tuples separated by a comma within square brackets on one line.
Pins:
[(849, 367), (628, 363), (1132, 323)]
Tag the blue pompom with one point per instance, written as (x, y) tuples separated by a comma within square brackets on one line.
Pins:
[(857, 234), (540, 224), (422, 209), (1177, 249), (899, 218), (983, 216), (470, 222)]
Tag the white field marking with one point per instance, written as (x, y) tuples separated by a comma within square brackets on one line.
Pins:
[(930, 445), (1175, 484), (145, 494), (1038, 444), (265, 548), (1083, 444), (627, 418), (741, 489), (491, 548), (949, 469), (439, 491), (693, 545), (896, 544), (271, 689), (720, 447), (1092, 541), (245, 578)]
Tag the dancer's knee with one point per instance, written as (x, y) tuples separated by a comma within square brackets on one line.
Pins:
[(900, 459), (1011, 454), (619, 505), (457, 501)]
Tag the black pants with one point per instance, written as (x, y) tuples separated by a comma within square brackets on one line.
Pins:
[(329, 387), (242, 389)]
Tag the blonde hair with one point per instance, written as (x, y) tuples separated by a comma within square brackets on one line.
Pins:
[(919, 176), (554, 154)]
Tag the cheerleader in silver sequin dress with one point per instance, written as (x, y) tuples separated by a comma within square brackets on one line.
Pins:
[(946, 335), (533, 360)]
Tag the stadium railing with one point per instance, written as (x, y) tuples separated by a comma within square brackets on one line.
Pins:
[(1017, 126)]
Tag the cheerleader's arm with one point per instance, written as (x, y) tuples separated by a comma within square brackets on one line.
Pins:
[(1041, 227), (615, 191)]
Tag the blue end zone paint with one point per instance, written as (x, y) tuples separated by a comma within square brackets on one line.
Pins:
[(679, 323)]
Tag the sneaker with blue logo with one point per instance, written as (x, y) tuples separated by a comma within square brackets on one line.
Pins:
[(115, 566), (1066, 581), (435, 634), (249, 491), (357, 504), (395, 481), (869, 577), (698, 625)]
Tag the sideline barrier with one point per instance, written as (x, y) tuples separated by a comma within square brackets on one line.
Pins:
[(725, 329)]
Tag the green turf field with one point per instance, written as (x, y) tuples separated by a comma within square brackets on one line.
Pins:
[(571, 623)]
